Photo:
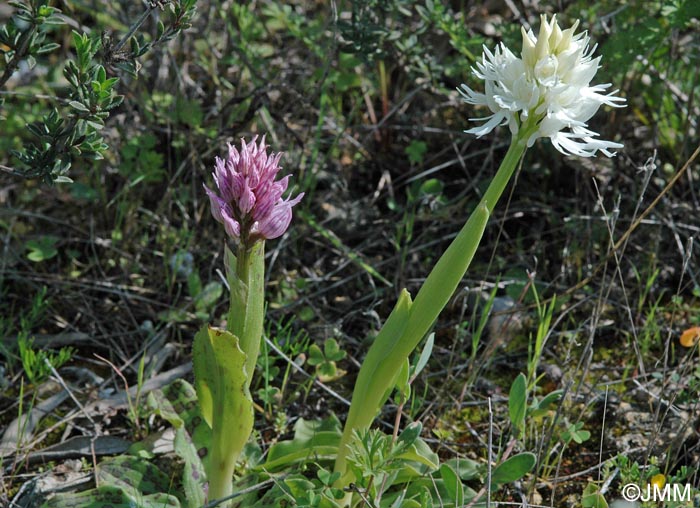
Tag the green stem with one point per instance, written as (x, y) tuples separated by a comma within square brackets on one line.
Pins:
[(410, 322), (443, 280), (243, 263), (230, 433), (221, 467), (504, 173), (247, 307)]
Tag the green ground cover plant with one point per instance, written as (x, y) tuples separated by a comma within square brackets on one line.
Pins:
[(559, 371)]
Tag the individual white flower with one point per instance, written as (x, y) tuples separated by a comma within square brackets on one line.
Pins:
[(549, 85)]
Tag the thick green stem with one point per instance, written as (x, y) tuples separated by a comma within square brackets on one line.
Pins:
[(220, 472), (247, 307), (504, 173), (410, 322)]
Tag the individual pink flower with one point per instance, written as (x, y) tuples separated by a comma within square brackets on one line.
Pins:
[(249, 203)]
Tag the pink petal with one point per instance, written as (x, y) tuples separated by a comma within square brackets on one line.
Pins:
[(217, 204), (246, 201), (276, 223), (268, 195), (232, 227)]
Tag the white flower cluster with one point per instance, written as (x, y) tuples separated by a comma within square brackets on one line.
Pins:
[(550, 84)]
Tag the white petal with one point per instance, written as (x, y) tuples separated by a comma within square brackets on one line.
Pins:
[(567, 146), (472, 97), (587, 146), (493, 121), (610, 99)]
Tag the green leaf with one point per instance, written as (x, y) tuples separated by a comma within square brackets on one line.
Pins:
[(576, 433), (466, 468), (581, 436), (134, 475), (108, 84), (416, 151), (100, 73), (377, 376), (42, 248), (542, 407), (79, 106), (409, 435), (453, 484), (431, 187), (419, 452), (125, 482), (313, 440), (47, 48), (221, 380), (424, 355), (514, 468), (45, 11), (592, 498), (222, 385), (107, 496), (247, 305), (177, 404), (54, 20), (79, 41), (517, 403), (327, 371), (327, 478), (193, 475), (442, 281), (208, 297), (332, 351), (315, 355), (403, 387), (37, 130), (114, 102)]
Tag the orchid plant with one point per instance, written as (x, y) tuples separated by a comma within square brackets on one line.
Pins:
[(544, 93), (538, 95), (249, 204)]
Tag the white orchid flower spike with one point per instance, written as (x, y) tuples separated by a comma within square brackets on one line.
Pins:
[(550, 85)]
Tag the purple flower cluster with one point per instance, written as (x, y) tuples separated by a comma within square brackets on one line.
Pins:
[(249, 203)]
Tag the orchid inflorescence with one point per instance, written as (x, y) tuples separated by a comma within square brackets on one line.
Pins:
[(249, 203), (550, 84)]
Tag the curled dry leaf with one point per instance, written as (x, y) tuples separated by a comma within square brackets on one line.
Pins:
[(690, 336)]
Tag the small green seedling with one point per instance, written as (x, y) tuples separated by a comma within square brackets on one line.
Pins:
[(325, 361)]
